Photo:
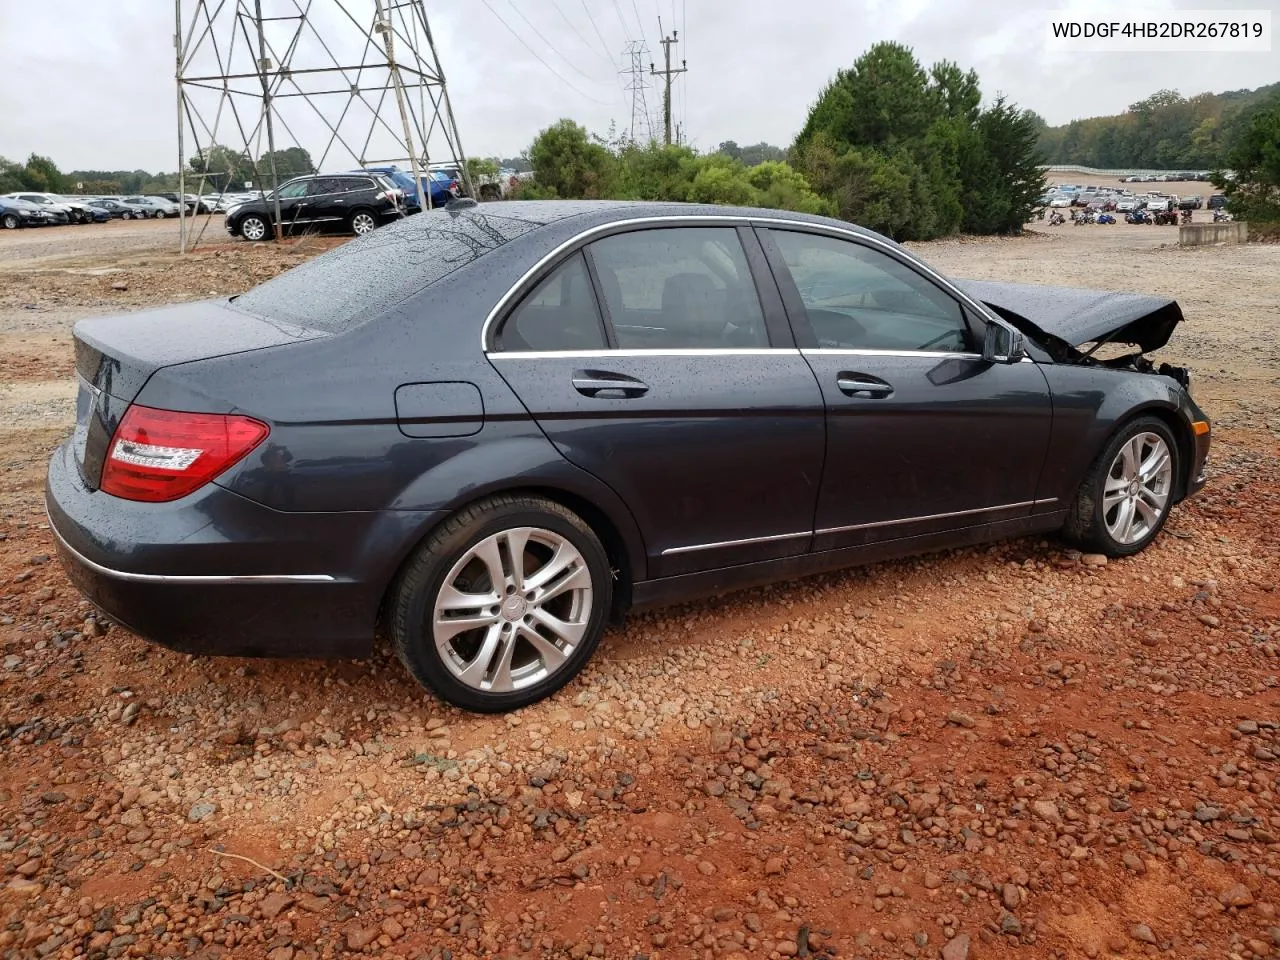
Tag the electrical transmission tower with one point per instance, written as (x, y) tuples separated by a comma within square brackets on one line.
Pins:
[(270, 89), (668, 74), (641, 123)]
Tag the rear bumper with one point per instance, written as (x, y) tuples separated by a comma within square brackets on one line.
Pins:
[(215, 573)]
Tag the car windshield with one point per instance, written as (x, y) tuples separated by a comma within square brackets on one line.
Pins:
[(367, 276)]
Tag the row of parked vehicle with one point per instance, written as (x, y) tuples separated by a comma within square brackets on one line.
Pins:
[(1110, 200), (1186, 176), (36, 209), (357, 201)]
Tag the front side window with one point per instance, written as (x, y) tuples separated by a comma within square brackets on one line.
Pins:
[(323, 185), (560, 313), (679, 288), (861, 299), (291, 191)]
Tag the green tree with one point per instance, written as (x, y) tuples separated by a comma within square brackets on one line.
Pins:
[(568, 163), (1253, 190), (42, 174), (290, 162)]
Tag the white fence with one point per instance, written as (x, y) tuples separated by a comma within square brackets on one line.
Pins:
[(1127, 172)]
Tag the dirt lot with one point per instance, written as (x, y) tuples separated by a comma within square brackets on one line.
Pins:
[(990, 753)]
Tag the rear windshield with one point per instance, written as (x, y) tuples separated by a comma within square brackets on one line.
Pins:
[(368, 275)]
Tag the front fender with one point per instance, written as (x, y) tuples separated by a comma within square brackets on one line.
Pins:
[(1089, 405)]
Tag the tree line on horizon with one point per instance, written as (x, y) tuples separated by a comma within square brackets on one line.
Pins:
[(1165, 131)]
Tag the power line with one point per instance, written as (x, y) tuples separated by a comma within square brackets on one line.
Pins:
[(639, 23), (667, 73), (599, 35), (551, 46), (585, 42), (621, 22), (554, 71)]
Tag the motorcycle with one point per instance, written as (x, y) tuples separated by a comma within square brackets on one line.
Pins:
[(1056, 219), (1184, 216), (1221, 216), (1106, 218), (1087, 217), (1137, 216)]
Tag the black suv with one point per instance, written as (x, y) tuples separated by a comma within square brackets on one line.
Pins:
[(358, 203)]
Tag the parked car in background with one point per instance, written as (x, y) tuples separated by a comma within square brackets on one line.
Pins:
[(492, 431), (77, 209), (1218, 201), (1192, 202), (1061, 200), (356, 202), (159, 207), (113, 208), (58, 213), (439, 185), (15, 213), (82, 211), (1129, 204)]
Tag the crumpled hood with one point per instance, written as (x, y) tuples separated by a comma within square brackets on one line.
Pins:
[(1077, 316)]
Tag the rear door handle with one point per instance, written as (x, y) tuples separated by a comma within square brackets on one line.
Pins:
[(608, 386), (853, 384)]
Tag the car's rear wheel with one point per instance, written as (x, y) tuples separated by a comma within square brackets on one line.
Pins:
[(159, 214), (362, 222), (253, 227), (503, 604), (10, 221), (1126, 497)]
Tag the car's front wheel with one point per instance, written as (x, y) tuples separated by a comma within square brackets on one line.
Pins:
[(10, 221), (503, 604), (1127, 495), (253, 227)]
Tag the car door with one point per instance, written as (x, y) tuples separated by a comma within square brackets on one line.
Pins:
[(326, 200), (293, 205), (923, 435), (686, 395)]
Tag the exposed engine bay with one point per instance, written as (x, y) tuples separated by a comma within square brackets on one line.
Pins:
[(1087, 327)]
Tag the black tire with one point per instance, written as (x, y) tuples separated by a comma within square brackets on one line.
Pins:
[(10, 221), (411, 608), (1086, 524), (362, 215), (255, 225), (127, 215)]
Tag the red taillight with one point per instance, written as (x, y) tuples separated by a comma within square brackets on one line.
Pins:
[(159, 455)]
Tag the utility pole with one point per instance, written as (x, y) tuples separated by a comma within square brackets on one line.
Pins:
[(667, 74)]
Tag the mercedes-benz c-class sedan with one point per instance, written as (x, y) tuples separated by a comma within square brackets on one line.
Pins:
[(491, 429)]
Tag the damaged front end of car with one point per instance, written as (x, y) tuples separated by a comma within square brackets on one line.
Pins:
[(1074, 325)]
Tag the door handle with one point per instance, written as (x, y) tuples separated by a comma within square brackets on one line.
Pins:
[(608, 386), (852, 384)]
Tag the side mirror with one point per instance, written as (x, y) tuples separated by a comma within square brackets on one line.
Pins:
[(1001, 344)]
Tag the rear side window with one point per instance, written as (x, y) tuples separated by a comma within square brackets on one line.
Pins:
[(367, 276), (559, 314), (679, 288)]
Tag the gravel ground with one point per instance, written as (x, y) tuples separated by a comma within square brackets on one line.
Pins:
[(1011, 751)]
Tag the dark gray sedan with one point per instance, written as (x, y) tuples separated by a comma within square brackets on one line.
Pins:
[(491, 429)]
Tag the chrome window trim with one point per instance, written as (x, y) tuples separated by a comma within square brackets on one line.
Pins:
[(673, 551), (518, 288), (931, 516), (646, 352), (259, 578), (857, 352)]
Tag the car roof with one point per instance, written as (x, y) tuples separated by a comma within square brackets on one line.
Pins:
[(592, 213)]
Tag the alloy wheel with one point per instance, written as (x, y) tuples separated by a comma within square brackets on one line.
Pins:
[(512, 610), (1137, 488), (363, 223), (253, 229), (10, 222)]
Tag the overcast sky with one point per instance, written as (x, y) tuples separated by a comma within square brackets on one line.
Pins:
[(91, 82)]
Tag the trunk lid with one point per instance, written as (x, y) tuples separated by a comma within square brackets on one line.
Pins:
[(115, 356), (1076, 316)]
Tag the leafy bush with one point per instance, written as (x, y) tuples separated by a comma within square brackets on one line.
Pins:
[(1254, 191)]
